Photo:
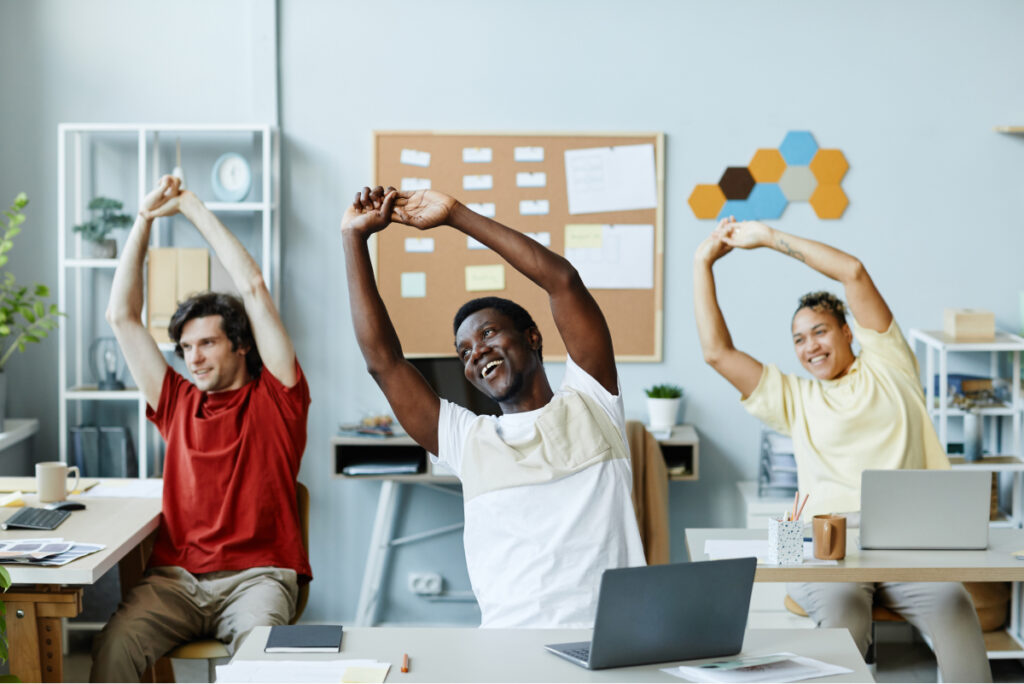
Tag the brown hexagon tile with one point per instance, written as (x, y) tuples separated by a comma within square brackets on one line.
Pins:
[(767, 165), (829, 166), (829, 201), (706, 200), (736, 182)]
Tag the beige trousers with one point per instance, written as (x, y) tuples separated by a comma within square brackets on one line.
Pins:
[(171, 606), (941, 610)]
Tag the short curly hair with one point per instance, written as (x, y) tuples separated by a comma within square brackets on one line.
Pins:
[(521, 318), (234, 323), (823, 302)]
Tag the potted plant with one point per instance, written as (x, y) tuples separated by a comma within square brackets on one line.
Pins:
[(96, 230), (24, 316), (663, 405)]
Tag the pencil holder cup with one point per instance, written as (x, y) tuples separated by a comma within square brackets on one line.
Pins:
[(785, 542)]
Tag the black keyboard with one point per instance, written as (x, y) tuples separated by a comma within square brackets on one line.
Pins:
[(36, 519)]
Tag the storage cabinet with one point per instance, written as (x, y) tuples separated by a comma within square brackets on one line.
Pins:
[(124, 161)]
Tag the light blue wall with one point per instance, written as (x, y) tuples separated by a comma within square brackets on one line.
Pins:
[(909, 91)]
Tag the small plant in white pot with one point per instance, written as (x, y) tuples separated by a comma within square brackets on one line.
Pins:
[(96, 231), (663, 405)]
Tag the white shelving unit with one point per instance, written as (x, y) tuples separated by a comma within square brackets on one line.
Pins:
[(999, 457), (1003, 455), (125, 161)]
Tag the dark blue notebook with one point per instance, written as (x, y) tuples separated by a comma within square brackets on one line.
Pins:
[(304, 639)]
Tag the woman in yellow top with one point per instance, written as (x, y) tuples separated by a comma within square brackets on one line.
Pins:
[(857, 413)]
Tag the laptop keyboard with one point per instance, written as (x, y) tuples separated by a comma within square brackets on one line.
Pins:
[(36, 519), (581, 653)]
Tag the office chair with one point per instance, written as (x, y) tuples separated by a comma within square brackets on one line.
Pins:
[(211, 649)]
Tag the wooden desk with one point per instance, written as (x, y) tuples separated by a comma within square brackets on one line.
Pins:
[(680, 448), (518, 655), (41, 595), (994, 564)]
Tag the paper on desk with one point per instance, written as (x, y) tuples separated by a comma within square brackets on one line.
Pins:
[(777, 667), (718, 549), (149, 488), (296, 670), (76, 551)]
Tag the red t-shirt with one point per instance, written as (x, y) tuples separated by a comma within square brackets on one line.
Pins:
[(229, 475)]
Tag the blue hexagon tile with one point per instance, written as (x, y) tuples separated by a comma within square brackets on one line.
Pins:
[(767, 201), (798, 148)]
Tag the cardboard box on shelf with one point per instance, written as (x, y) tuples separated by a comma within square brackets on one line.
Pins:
[(969, 325), (173, 274)]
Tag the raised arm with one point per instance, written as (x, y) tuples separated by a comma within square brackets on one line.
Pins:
[(739, 368), (272, 341), (578, 317), (124, 310), (866, 302), (414, 402)]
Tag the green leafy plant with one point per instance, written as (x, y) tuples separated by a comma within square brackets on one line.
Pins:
[(664, 392), (97, 229), (24, 316), (5, 582)]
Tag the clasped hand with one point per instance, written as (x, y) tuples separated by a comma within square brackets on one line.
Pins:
[(164, 200), (372, 210), (729, 234)]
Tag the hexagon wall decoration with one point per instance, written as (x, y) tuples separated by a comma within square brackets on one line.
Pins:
[(797, 171), (706, 200)]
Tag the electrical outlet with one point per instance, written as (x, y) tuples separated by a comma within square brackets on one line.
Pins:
[(425, 583)]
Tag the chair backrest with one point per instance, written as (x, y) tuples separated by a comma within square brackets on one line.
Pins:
[(303, 499)]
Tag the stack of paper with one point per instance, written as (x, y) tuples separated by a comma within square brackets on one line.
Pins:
[(45, 551), (777, 667), (303, 671)]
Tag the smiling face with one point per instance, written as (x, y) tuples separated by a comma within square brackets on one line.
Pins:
[(207, 351), (497, 359), (822, 344)]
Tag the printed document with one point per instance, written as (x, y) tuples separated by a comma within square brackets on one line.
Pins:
[(611, 179)]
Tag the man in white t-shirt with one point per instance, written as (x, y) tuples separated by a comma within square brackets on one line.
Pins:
[(546, 484), (856, 413)]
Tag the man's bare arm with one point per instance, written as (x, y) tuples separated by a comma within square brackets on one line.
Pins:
[(416, 405), (124, 309)]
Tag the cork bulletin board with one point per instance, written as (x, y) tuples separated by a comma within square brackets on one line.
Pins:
[(605, 216)]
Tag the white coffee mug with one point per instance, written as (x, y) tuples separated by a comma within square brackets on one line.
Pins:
[(52, 480)]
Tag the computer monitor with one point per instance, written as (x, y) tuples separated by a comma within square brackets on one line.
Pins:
[(446, 376)]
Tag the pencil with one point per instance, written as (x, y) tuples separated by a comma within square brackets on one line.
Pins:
[(796, 500), (801, 511), (405, 662)]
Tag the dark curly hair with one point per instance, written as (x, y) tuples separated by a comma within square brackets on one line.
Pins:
[(234, 323), (823, 302), (521, 319)]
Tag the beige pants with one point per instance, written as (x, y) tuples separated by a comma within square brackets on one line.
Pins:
[(941, 610), (170, 606)]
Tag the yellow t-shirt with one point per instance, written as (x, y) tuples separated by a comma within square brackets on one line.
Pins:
[(872, 418)]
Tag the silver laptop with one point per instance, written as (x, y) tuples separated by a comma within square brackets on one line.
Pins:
[(924, 509), (660, 613)]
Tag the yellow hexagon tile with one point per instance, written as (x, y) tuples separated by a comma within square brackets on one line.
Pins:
[(829, 201), (829, 166), (706, 200), (767, 165)]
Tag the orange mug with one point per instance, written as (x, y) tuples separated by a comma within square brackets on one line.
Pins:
[(830, 537)]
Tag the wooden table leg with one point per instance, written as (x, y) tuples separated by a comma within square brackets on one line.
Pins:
[(34, 630)]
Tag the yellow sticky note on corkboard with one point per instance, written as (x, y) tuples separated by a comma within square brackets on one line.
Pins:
[(485, 278), (584, 235)]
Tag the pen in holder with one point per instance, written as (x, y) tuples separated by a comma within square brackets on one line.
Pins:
[(785, 542)]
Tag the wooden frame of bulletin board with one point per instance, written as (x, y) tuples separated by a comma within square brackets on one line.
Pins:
[(424, 282)]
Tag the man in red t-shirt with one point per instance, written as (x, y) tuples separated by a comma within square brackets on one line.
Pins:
[(229, 553)]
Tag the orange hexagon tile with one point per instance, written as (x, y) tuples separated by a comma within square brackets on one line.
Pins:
[(767, 165), (829, 166), (706, 200), (829, 201)]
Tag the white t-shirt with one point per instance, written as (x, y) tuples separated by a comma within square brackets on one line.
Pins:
[(547, 503)]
